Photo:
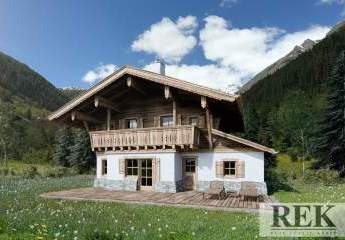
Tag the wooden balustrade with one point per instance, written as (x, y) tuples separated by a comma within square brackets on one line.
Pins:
[(146, 138)]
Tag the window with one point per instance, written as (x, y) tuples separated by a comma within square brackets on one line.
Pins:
[(167, 121), (190, 165), (104, 167), (132, 123), (193, 121), (229, 168), (132, 167)]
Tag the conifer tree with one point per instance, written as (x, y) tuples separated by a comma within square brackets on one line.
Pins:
[(81, 157), (331, 147), (62, 148)]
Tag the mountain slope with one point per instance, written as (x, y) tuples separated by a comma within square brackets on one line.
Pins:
[(25, 83), (283, 108), (26, 98)]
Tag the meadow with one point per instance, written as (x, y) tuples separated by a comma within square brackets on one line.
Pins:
[(24, 215)]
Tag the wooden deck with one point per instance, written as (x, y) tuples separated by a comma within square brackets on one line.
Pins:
[(181, 199)]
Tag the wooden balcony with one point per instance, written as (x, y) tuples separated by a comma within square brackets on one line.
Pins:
[(182, 137)]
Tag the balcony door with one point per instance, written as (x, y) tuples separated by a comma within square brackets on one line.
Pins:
[(142, 168), (145, 178), (189, 173)]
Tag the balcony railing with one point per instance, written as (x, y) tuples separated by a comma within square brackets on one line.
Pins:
[(186, 136)]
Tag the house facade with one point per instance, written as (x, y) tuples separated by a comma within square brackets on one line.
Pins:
[(151, 132)]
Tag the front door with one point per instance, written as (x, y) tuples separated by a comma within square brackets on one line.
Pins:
[(189, 173), (145, 177)]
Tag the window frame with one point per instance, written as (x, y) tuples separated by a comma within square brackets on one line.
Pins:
[(195, 117), (128, 120), (190, 166), (131, 167), (164, 116), (104, 166), (227, 170)]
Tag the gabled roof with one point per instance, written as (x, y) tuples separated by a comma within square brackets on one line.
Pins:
[(150, 76), (244, 141)]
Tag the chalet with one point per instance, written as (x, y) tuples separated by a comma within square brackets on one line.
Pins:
[(157, 133)]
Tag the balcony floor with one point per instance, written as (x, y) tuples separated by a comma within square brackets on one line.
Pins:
[(181, 199)]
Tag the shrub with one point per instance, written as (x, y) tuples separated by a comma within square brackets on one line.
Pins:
[(276, 182), (30, 172), (325, 176)]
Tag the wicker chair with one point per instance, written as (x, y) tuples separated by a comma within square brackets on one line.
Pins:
[(250, 190), (216, 188)]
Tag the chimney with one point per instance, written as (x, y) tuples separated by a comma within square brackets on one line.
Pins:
[(161, 66)]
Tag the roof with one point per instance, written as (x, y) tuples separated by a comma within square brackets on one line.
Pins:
[(150, 76), (244, 141)]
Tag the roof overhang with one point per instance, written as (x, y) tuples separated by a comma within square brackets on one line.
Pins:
[(150, 76), (244, 141)]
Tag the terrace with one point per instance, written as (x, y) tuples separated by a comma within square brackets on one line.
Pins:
[(191, 199)]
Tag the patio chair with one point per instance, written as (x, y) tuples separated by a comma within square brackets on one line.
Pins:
[(249, 190), (216, 188)]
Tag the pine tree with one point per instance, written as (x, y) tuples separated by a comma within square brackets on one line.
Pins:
[(331, 147), (81, 157), (62, 148)]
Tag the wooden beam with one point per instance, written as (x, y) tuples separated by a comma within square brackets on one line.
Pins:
[(132, 84), (102, 102), (203, 102), (167, 92), (209, 128), (75, 115)]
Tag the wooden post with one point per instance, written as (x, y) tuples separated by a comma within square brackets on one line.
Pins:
[(108, 118), (209, 128), (174, 112)]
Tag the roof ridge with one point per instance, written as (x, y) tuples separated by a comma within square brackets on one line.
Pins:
[(184, 81)]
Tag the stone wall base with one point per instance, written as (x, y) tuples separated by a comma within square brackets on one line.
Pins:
[(131, 185), (203, 186), (171, 187), (116, 185)]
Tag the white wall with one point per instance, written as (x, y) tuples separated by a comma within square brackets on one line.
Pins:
[(171, 164), (167, 164), (254, 165)]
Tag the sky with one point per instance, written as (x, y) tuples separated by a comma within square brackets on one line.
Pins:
[(216, 43)]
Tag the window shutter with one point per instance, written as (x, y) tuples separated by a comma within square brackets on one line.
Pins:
[(240, 169), (201, 122), (141, 123), (121, 124), (219, 169), (179, 119), (156, 170), (122, 166), (156, 121)]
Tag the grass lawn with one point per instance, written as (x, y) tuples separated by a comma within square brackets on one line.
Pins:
[(24, 215)]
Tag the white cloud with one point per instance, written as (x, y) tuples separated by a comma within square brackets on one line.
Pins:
[(235, 54), (100, 72), (338, 2), (210, 75), (227, 3), (250, 50), (167, 39)]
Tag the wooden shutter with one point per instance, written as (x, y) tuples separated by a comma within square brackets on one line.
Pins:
[(122, 166), (140, 122), (156, 170), (240, 169), (121, 123), (156, 121), (179, 119), (219, 169), (201, 122)]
